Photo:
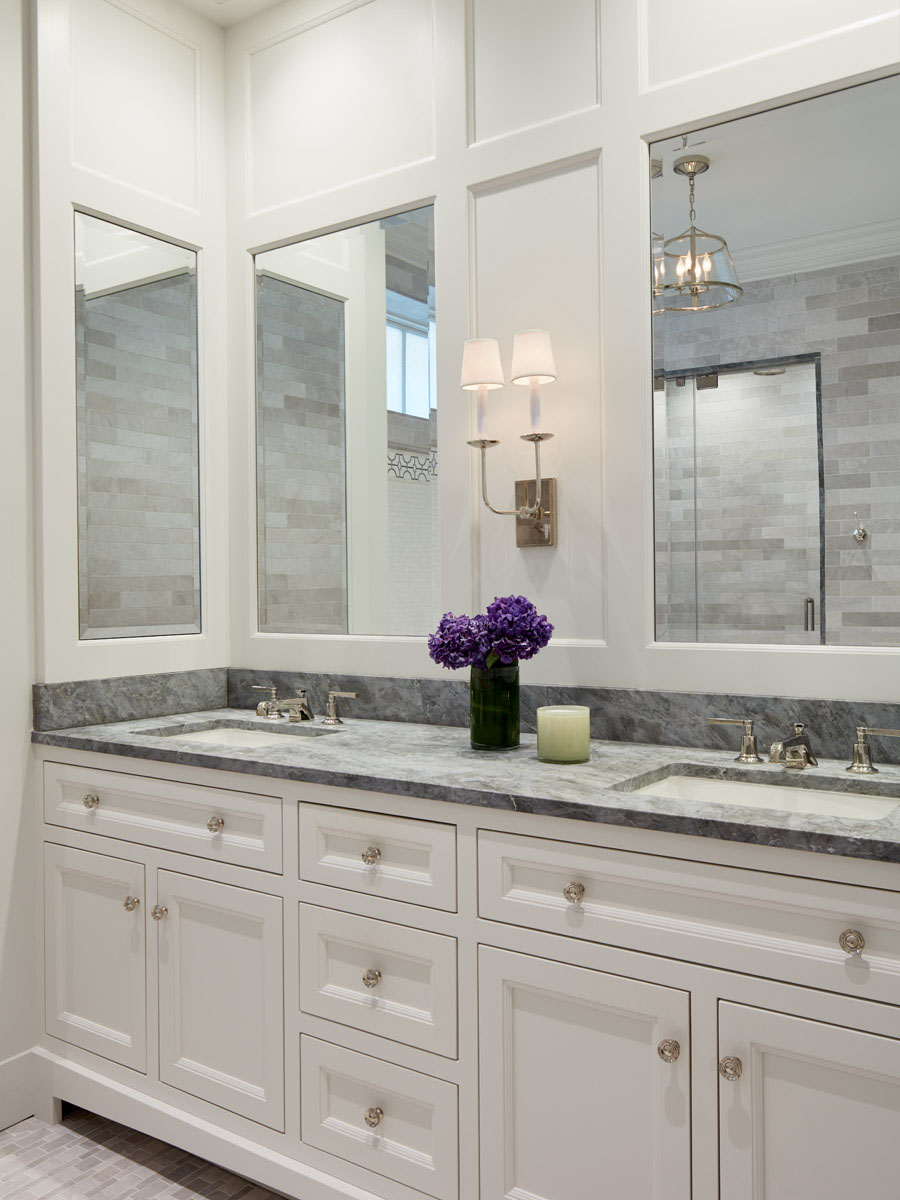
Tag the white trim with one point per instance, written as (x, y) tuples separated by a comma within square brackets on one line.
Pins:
[(16, 1089), (818, 251)]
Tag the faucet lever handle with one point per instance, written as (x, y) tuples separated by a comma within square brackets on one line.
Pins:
[(331, 709), (265, 687), (749, 752), (862, 755)]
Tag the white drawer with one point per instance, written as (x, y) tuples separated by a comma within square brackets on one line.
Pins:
[(395, 857), (385, 979), (752, 921), (171, 816), (413, 1135)]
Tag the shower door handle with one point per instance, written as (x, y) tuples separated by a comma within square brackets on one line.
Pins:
[(809, 614)]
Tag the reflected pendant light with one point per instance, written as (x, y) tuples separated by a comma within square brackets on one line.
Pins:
[(695, 271)]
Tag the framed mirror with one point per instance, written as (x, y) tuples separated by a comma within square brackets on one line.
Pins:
[(137, 424), (775, 298), (346, 431)]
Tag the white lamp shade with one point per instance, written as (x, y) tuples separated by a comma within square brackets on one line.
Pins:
[(532, 357), (481, 365)]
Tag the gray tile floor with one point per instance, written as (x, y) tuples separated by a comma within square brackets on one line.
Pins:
[(88, 1156)]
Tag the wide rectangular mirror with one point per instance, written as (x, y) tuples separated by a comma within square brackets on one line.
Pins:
[(775, 295), (137, 433), (346, 429)]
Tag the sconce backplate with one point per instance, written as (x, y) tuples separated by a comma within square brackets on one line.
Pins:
[(542, 531)]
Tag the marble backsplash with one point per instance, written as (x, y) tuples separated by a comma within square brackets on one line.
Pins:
[(617, 714)]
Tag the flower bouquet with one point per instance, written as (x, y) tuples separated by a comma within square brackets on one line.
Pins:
[(492, 644)]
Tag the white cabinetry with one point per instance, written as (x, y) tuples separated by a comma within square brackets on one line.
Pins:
[(95, 962), (444, 1002), (576, 1098), (806, 1109), (221, 995)]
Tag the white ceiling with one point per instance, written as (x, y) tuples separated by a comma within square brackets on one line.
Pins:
[(229, 12), (819, 178)]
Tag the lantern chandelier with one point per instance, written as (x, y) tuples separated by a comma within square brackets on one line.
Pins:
[(694, 271)]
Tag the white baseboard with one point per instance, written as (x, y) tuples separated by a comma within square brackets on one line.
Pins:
[(16, 1090), (54, 1077)]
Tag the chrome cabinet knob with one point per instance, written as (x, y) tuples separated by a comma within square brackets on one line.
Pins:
[(372, 978), (130, 903), (574, 892), (731, 1069), (90, 800), (852, 941), (669, 1050), (371, 855), (215, 824), (158, 911), (372, 1117)]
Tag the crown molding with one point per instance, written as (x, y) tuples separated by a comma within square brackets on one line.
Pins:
[(818, 251)]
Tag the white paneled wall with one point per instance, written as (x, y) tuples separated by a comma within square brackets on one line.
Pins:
[(528, 124), (130, 114)]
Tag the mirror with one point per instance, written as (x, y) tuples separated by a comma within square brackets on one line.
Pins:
[(346, 431), (137, 427), (775, 299)]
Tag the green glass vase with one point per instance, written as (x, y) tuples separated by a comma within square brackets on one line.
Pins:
[(494, 713)]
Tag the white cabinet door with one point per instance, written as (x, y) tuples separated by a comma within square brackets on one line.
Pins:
[(95, 990), (815, 1111), (221, 995), (576, 1100)]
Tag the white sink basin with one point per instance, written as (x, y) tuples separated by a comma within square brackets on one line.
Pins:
[(244, 739), (813, 801)]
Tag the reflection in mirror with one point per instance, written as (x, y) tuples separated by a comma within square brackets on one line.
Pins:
[(775, 292), (137, 433), (347, 431)]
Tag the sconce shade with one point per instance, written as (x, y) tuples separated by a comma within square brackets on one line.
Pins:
[(481, 365), (532, 357)]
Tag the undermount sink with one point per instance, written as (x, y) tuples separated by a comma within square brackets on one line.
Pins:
[(807, 800), (241, 737)]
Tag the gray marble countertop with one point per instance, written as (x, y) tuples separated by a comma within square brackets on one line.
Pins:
[(436, 763)]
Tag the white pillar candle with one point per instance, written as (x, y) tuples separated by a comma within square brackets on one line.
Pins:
[(481, 401), (564, 733), (534, 404)]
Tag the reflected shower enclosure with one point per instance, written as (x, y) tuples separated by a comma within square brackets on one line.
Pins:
[(137, 429), (739, 523), (346, 431)]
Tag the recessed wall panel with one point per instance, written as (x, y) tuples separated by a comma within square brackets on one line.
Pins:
[(133, 102), (341, 100), (537, 247), (530, 62), (693, 37)]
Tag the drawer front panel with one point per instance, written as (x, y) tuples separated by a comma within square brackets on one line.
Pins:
[(385, 1118), (395, 857), (230, 827), (385, 979), (753, 921)]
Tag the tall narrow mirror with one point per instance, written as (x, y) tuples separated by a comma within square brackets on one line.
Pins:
[(346, 421), (137, 433), (775, 294)]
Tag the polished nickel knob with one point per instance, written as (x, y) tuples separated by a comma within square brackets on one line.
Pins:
[(215, 824), (90, 800), (731, 1069), (372, 978), (371, 855), (852, 941), (158, 911), (373, 1117), (130, 903), (574, 892), (669, 1050)]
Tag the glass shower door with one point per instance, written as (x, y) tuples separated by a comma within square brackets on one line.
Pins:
[(740, 545)]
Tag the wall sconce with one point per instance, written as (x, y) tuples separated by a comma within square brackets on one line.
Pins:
[(532, 366)]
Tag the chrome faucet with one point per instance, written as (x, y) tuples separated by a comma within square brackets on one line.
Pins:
[(862, 757), (295, 710), (749, 752), (796, 752), (331, 709), (298, 709), (268, 708)]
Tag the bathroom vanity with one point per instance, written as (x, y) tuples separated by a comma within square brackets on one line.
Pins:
[(367, 962)]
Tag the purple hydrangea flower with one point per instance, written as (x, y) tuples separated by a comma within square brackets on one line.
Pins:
[(510, 630)]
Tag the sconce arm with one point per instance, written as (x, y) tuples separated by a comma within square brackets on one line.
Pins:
[(527, 511)]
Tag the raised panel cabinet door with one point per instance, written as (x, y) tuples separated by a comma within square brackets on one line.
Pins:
[(95, 959), (221, 995), (585, 1083), (806, 1109)]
